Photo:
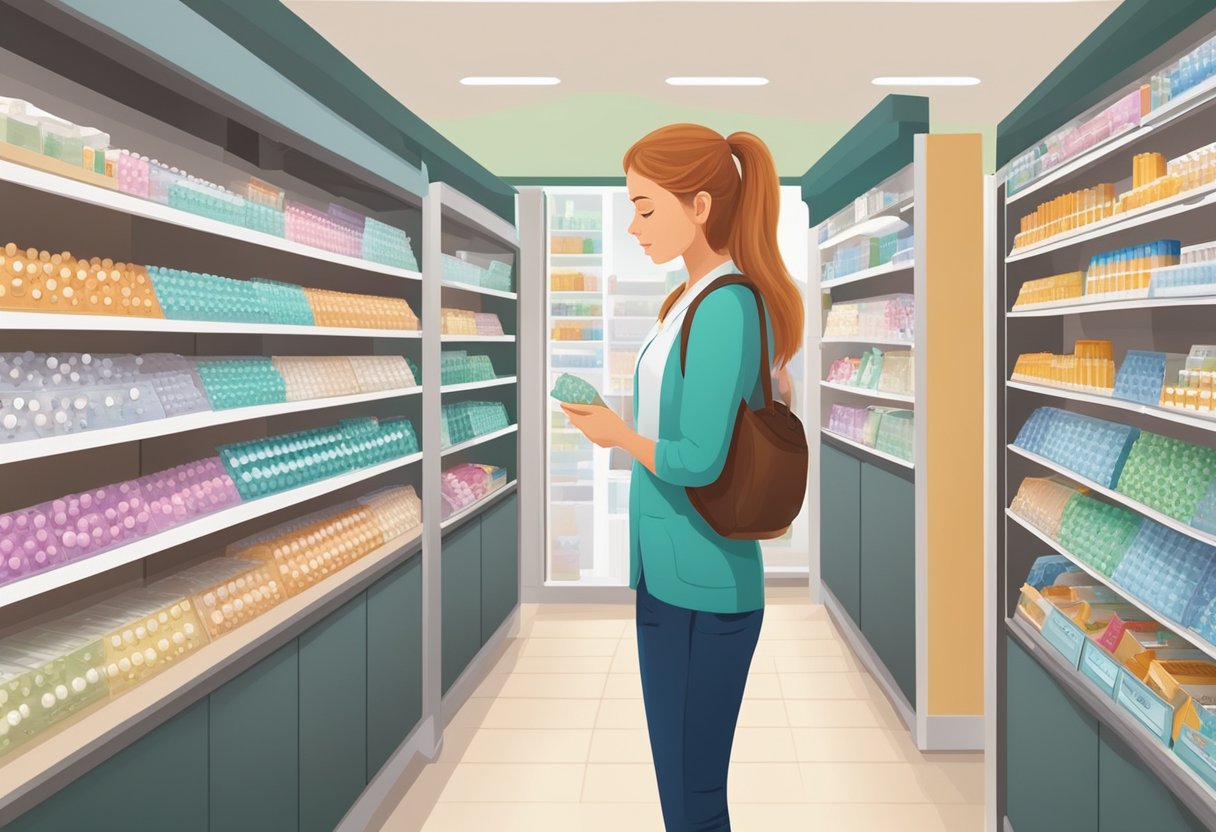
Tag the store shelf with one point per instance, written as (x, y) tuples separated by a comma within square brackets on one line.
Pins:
[(1081, 162), (479, 440), (576, 258), (1072, 307), (477, 339), (114, 323), (483, 503), (575, 293), (1183, 631), (861, 339), (1182, 417), (576, 344), (1121, 499), (868, 393), (71, 443), (479, 385), (1164, 209), (579, 317), (868, 450), (1171, 771), (93, 729), (867, 274), (886, 221), (479, 290), (70, 573), (574, 232), (147, 209), (1185, 104)]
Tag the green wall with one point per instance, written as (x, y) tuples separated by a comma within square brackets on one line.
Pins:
[(503, 141)]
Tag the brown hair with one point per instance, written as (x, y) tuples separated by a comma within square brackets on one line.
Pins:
[(686, 159)]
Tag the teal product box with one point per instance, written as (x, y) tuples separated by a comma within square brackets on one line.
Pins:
[(1062, 634), (1198, 752), (1100, 667), (1153, 712)]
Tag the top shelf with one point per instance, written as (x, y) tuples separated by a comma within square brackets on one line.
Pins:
[(147, 209), (886, 221)]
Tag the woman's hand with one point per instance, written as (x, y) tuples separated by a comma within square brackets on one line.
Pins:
[(599, 424)]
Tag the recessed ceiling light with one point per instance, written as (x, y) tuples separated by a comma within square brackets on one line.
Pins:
[(718, 81), (925, 81), (509, 81)]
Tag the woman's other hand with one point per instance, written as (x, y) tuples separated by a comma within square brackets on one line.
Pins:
[(599, 424)]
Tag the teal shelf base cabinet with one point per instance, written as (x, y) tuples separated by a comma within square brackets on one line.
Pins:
[(1064, 769), (286, 746), (480, 583), (867, 557)]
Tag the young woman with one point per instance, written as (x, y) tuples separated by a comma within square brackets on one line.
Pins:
[(700, 597)]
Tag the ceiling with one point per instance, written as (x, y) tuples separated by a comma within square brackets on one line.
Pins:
[(613, 57)]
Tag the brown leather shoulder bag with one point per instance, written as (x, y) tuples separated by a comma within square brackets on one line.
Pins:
[(763, 484)]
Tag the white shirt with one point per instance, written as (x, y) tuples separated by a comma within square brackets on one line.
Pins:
[(652, 359)]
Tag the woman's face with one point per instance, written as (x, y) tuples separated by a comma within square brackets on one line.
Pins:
[(664, 224)]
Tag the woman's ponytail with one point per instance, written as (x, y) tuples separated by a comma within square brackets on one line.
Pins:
[(753, 243)]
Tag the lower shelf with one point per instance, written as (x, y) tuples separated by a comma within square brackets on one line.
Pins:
[(74, 745), (1159, 760), (480, 505)]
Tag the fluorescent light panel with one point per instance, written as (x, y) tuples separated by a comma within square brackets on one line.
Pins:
[(510, 81), (925, 81), (718, 81)]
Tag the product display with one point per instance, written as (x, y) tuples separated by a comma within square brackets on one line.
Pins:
[(463, 485), (318, 377), (1128, 272), (577, 331), (458, 367), (1141, 376), (465, 322), (1168, 474), (891, 317), (868, 253), (575, 390), (1041, 501), (463, 421), (570, 244), (1055, 289), (242, 382), (345, 309), (571, 281), (885, 429), (1094, 448), (1096, 532), (38, 281), (1090, 369), (495, 275)]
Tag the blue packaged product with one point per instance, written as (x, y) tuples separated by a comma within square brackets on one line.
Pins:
[(1165, 569), (1141, 377)]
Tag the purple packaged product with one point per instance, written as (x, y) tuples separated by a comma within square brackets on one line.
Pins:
[(344, 216), (188, 491)]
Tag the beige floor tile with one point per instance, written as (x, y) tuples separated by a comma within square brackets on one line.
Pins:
[(584, 611), (763, 745), (557, 664), (883, 783), (854, 745), (627, 646), (853, 817), (775, 647), (824, 686), (765, 783), (575, 628), (620, 782), (961, 818), (762, 686), (625, 662), (762, 665), (841, 713), (763, 713), (553, 686), (472, 713), (621, 713), (620, 745), (780, 629), (456, 742), (782, 594), (569, 647), (411, 813), (503, 745), (514, 783), (545, 817), (540, 714), (815, 664), (623, 686), (795, 612)]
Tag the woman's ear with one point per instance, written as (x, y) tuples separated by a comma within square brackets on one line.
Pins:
[(701, 204)]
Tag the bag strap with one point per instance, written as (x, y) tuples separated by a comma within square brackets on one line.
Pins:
[(766, 371)]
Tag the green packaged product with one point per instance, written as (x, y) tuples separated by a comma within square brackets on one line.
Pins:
[(574, 390)]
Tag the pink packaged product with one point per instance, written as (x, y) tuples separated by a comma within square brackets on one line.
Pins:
[(488, 323), (842, 371), (303, 224), (463, 485), (133, 174), (848, 422), (181, 494)]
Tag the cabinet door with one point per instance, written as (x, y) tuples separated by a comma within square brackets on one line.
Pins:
[(840, 528), (888, 572), (1130, 799), (394, 661), (1051, 752), (461, 579), (333, 716), (255, 756), (499, 565), (158, 783)]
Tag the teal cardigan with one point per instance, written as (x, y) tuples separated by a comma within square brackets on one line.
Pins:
[(686, 563)]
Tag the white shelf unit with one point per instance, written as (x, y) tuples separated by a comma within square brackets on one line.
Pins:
[(1159, 324), (47, 321), (858, 494)]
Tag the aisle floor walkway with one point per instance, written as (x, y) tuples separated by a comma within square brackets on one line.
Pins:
[(555, 739)]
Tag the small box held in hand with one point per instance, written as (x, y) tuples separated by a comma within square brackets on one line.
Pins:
[(574, 390)]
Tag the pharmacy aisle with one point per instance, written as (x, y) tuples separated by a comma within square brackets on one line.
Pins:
[(555, 739)]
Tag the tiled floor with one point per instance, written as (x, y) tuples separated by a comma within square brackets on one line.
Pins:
[(555, 739)]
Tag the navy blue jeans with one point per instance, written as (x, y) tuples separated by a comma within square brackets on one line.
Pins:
[(694, 668)]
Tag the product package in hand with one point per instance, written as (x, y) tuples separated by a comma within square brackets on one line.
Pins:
[(574, 390)]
